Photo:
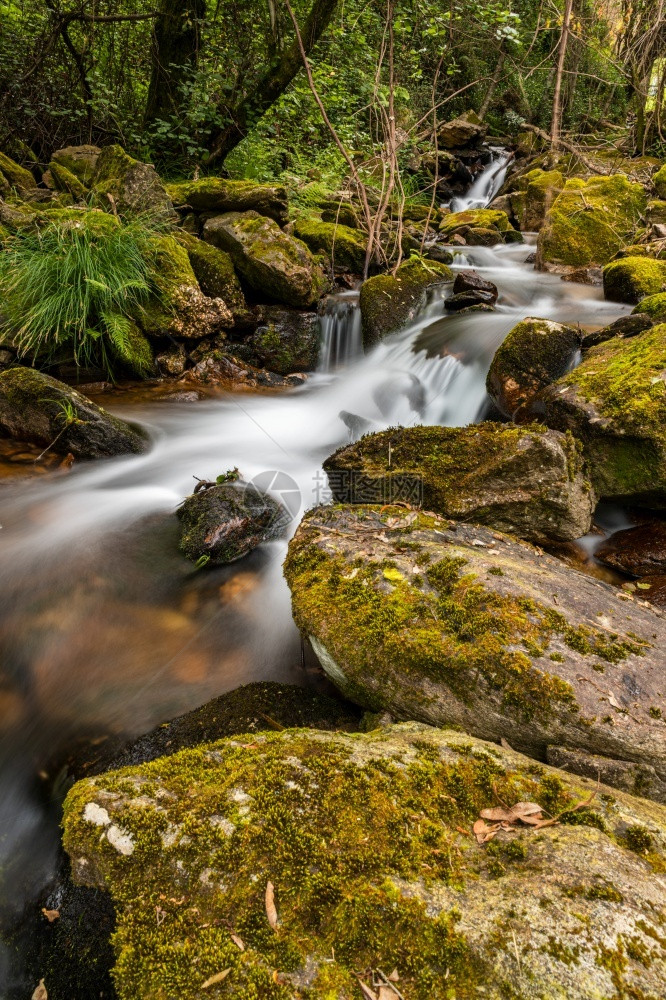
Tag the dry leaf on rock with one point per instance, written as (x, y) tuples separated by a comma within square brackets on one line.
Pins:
[(366, 991), (40, 992), (271, 912), (217, 978), (50, 915)]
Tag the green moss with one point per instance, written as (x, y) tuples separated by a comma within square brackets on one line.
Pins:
[(475, 218), (659, 181), (634, 278), (597, 890), (17, 177), (214, 271), (344, 248), (388, 302), (65, 180), (173, 272), (219, 194), (638, 839), (534, 354), (654, 306)]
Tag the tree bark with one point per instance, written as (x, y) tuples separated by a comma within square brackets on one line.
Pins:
[(556, 123), (274, 80), (174, 51)]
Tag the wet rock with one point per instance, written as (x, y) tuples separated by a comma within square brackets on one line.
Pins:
[(79, 160), (637, 779), (471, 281), (289, 341), (638, 551), (344, 248), (634, 278), (615, 404), (625, 326), (433, 251), (584, 275), (226, 522), (263, 853), (589, 221), (478, 236), (534, 354), (526, 481), (470, 300), (219, 367), (172, 361), (455, 624), (467, 130), (129, 186), (37, 408), (275, 264), (388, 302), (654, 590), (479, 219), (218, 194)]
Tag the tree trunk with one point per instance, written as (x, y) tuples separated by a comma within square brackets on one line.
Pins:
[(556, 125), (275, 79), (494, 83), (174, 52)]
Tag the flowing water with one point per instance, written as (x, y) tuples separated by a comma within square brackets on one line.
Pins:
[(104, 627), (486, 185)]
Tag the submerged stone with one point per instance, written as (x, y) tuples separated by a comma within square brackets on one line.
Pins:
[(455, 624), (526, 480), (290, 861)]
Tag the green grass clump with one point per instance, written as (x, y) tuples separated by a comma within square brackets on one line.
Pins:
[(75, 285)]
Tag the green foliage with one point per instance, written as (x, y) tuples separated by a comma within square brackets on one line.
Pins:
[(75, 285)]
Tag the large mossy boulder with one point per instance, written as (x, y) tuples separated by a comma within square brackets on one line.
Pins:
[(487, 219), (615, 404), (214, 271), (653, 306), (287, 866), (589, 221), (539, 189), (525, 480), (534, 354), (659, 181), (218, 194), (121, 183), (35, 407), (16, 176), (274, 264), (79, 160), (344, 247), (634, 278), (289, 340), (456, 624), (226, 522), (388, 302), (64, 180)]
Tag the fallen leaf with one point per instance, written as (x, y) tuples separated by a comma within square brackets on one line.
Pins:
[(461, 829), (271, 912), (40, 992), (613, 700), (386, 993), (526, 809), (217, 978), (497, 814), (50, 915), (394, 977), (240, 944), (366, 991), (545, 822)]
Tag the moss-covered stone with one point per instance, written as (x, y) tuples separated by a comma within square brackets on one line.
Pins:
[(35, 407), (79, 160), (288, 340), (615, 403), (589, 221), (634, 278), (653, 306), (218, 194), (659, 181), (389, 302), (534, 354), (484, 218), (525, 480), (129, 186), (226, 522), (540, 189), (16, 176), (410, 614), (343, 247), (274, 264), (214, 270), (64, 180)]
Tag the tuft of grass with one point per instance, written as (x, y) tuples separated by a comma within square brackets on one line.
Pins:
[(76, 284)]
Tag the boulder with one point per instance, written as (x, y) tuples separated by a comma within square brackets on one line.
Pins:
[(638, 551), (634, 278), (659, 182), (129, 186), (459, 133), (279, 865), (35, 407), (589, 221), (471, 281), (637, 779), (534, 354), (218, 194), (64, 180), (656, 213), (470, 300), (214, 271), (625, 326), (653, 306), (455, 624), (540, 188), (274, 264), (343, 247), (172, 361), (389, 302), (615, 403), (224, 523), (16, 177), (79, 160), (485, 219), (222, 368), (288, 341), (525, 480), (479, 236)]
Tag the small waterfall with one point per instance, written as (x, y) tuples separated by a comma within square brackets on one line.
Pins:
[(486, 185), (340, 322)]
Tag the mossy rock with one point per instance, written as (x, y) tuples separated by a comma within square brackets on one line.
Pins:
[(214, 270), (525, 480), (615, 403), (659, 182), (654, 306), (35, 407), (479, 236), (275, 265), (656, 213), (344, 248), (17, 177), (288, 341), (589, 221), (533, 354), (540, 189), (388, 302), (64, 180), (455, 624), (129, 186), (217, 194), (361, 843), (79, 160), (634, 278), (475, 218)]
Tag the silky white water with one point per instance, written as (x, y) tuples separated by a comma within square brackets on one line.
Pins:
[(487, 184)]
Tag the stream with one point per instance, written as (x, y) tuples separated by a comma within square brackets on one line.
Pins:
[(106, 629)]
